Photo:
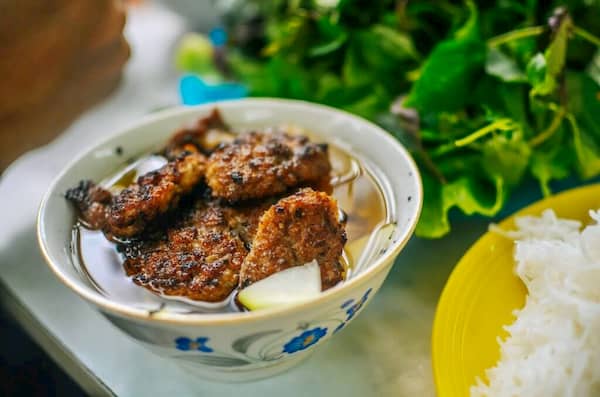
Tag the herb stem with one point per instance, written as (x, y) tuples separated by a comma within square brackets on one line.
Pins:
[(515, 35), (584, 34), (548, 132), (500, 124), (432, 167)]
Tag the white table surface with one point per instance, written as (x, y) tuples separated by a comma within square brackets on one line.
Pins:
[(385, 352)]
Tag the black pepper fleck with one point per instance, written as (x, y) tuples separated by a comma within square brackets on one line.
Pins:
[(237, 177), (246, 283)]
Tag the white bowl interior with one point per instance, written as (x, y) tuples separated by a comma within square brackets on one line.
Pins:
[(379, 149)]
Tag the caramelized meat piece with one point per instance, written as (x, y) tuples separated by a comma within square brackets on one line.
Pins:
[(91, 200), (296, 230), (202, 137), (198, 258), (239, 231), (243, 219), (153, 194), (257, 165)]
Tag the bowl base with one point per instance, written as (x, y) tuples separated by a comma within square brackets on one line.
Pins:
[(242, 374)]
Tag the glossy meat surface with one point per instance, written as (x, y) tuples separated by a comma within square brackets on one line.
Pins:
[(257, 165), (152, 195), (129, 213), (220, 214), (294, 231), (202, 136), (199, 257), (91, 200)]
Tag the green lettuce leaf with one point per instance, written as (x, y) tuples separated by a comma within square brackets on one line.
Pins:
[(503, 67), (584, 120), (489, 98), (554, 164), (506, 156), (536, 74), (448, 75), (381, 44), (354, 70), (470, 194), (586, 149), (544, 70), (593, 69), (331, 37)]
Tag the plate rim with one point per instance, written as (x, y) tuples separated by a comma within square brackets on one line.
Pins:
[(449, 286)]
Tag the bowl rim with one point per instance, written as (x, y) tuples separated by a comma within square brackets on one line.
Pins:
[(126, 311)]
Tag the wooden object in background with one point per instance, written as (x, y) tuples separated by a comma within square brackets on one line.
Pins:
[(57, 58)]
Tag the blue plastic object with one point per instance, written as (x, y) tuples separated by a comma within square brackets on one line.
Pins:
[(218, 37), (194, 91)]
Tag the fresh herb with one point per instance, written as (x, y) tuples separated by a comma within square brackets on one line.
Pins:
[(485, 94)]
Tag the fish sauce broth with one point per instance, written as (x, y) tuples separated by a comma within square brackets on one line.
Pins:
[(358, 189)]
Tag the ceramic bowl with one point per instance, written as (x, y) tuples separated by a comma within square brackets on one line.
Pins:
[(244, 345)]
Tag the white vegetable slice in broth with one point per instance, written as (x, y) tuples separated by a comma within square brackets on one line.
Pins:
[(289, 286), (149, 164)]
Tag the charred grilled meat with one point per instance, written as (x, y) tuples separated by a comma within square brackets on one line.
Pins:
[(91, 200), (296, 230), (257, 165), (199, 257), (153, 194), (213, 218), (203, 136)]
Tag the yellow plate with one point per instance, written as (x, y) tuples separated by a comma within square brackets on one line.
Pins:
[(481, 294)]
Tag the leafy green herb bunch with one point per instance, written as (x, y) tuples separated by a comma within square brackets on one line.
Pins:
[(484, 93)]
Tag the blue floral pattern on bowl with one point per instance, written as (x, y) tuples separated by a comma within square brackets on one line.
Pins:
[(186, 344), (304, 340), (352, 308), (270, 344)]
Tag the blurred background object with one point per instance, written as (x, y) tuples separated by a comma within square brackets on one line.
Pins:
[(57, 58), (199, 14)]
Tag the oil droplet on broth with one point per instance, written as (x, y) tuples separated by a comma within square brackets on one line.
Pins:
[(356, 190), (129, 174)]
